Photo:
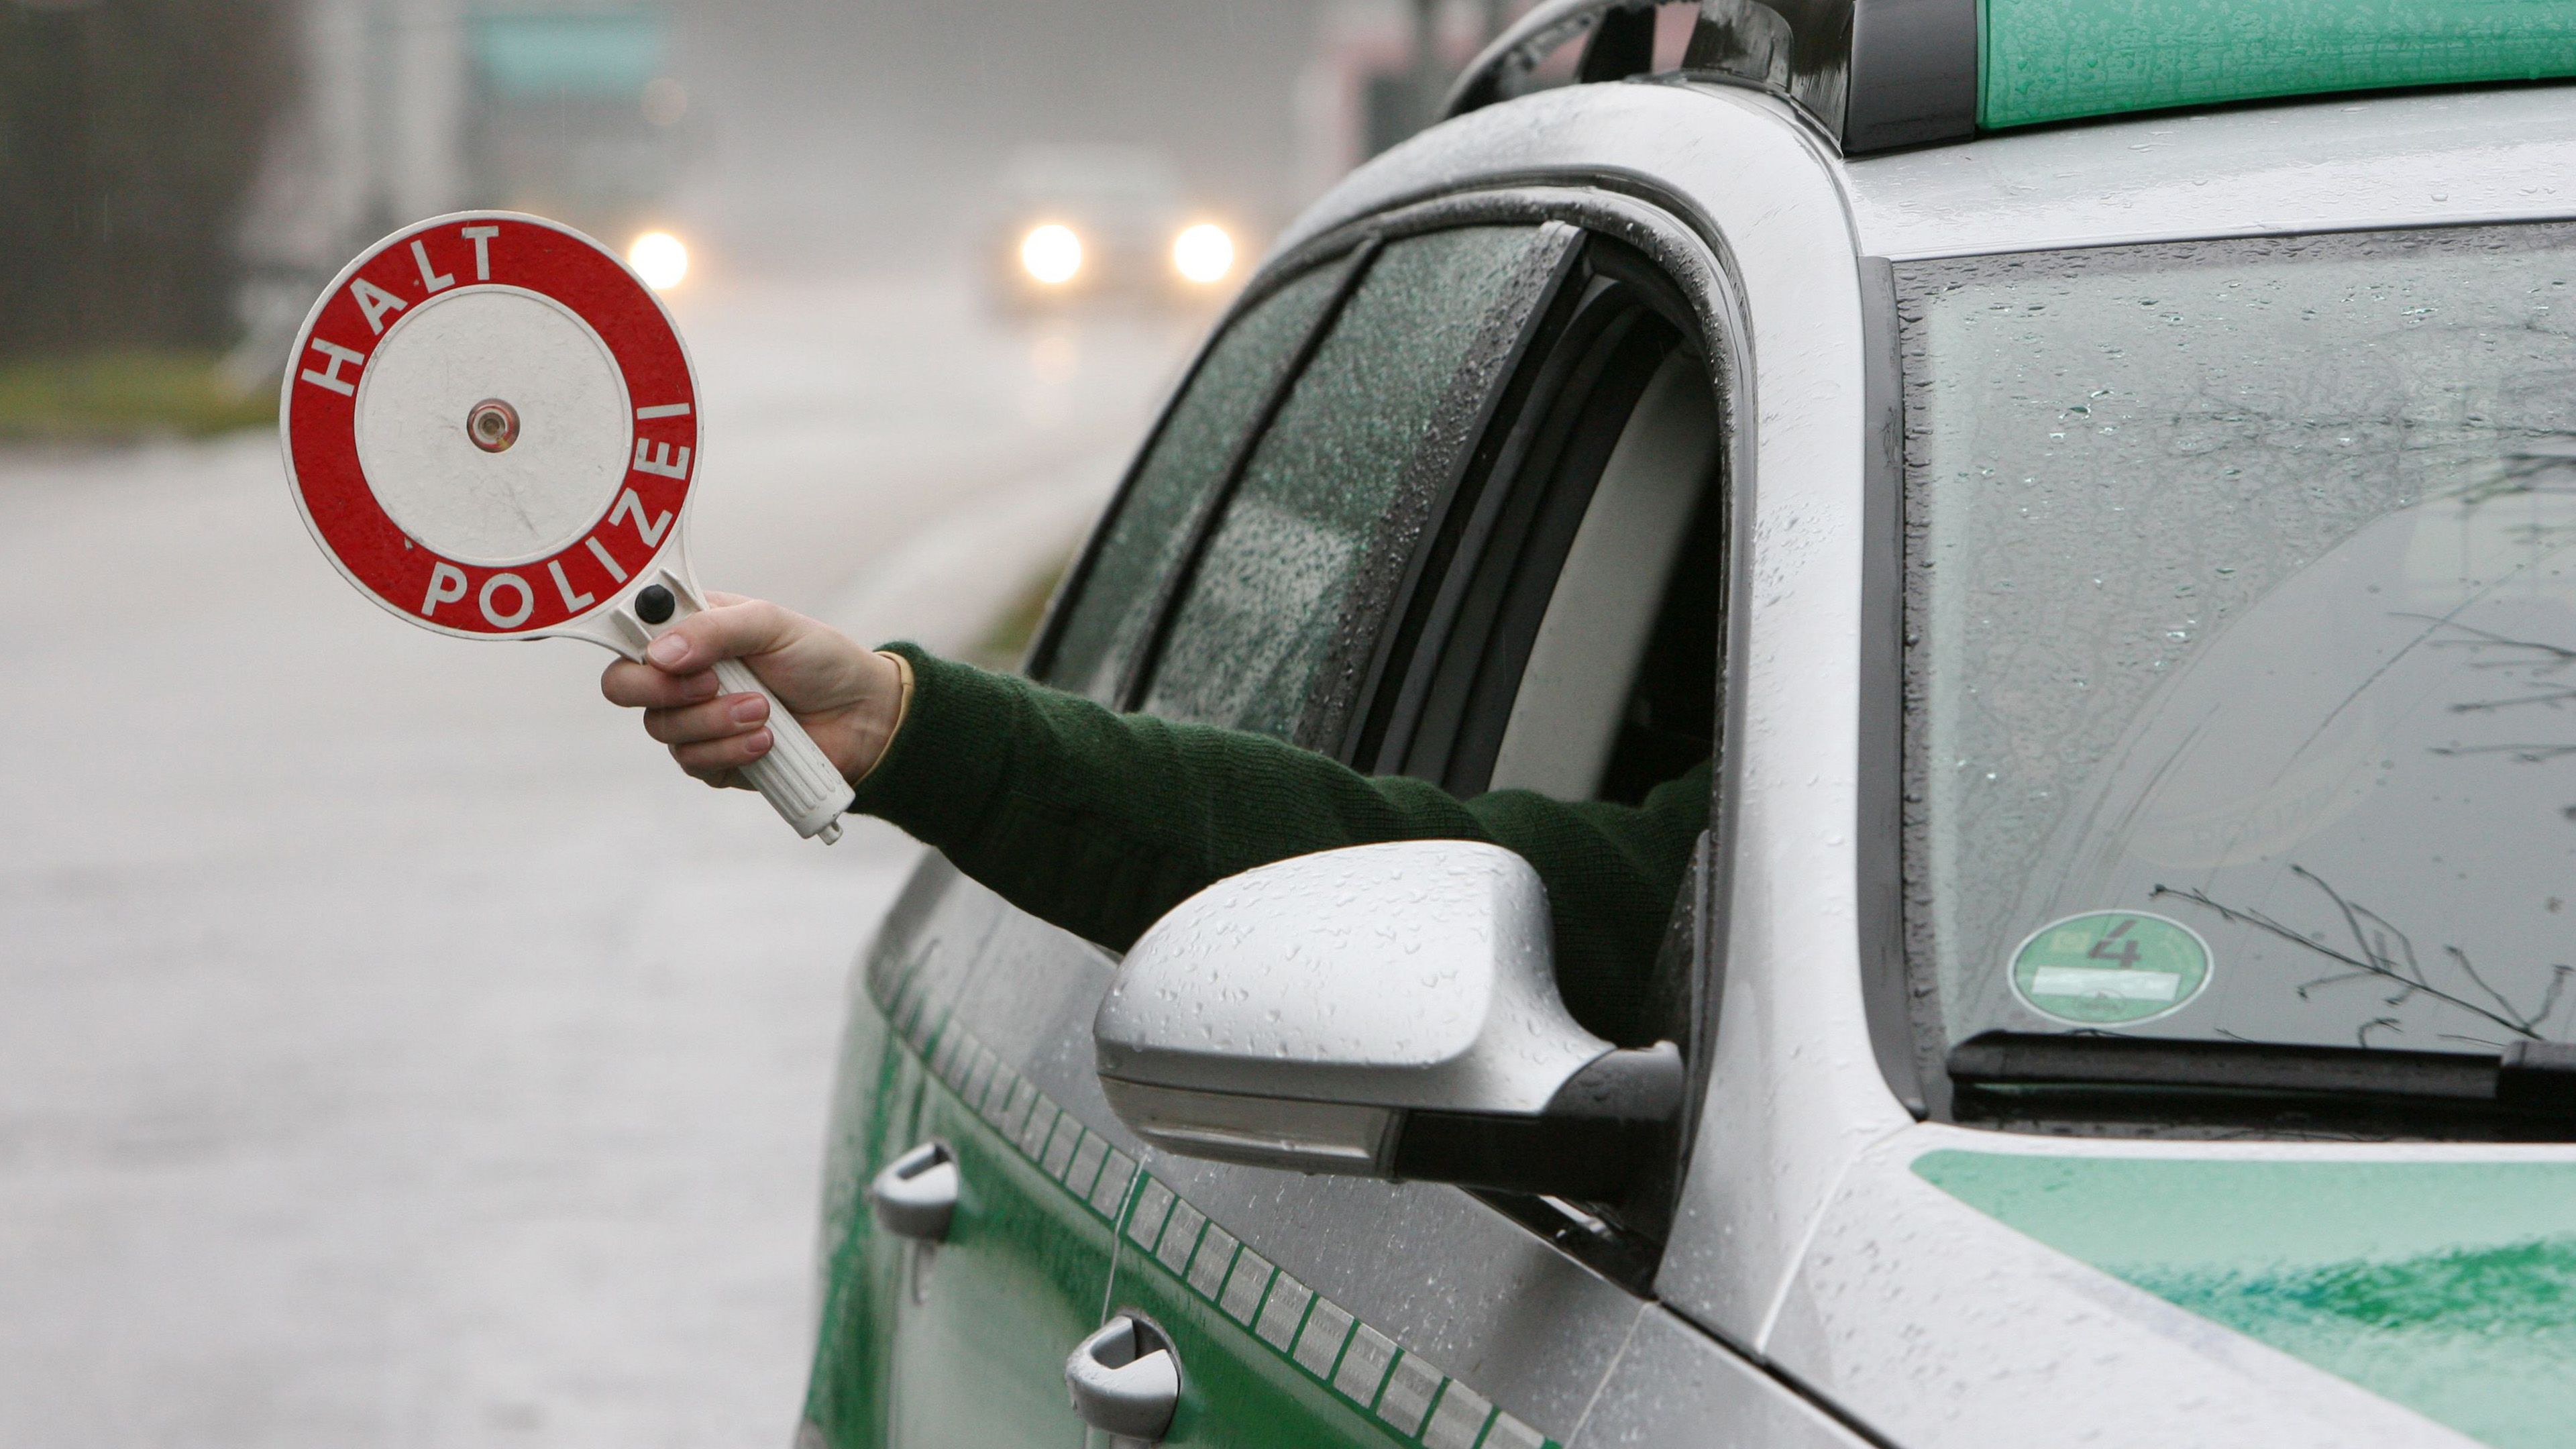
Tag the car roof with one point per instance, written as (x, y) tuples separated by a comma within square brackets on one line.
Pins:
[(2327, 165), (2338, 163)]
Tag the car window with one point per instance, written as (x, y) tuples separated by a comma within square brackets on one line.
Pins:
[(1294, 579), (2241, 608), (1530, 645), (1114, 601), (1620, 684)]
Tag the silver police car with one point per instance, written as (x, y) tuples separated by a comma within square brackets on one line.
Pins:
[(2100, 481)]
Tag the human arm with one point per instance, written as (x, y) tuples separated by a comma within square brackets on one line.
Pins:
[(1100, 822)]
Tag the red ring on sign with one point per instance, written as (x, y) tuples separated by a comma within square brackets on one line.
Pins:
[(319, 420)]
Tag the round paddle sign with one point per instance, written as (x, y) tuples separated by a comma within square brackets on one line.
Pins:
[(492, 430), (490, 425)]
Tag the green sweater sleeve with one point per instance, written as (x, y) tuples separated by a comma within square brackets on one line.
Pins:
[(1100, 822)]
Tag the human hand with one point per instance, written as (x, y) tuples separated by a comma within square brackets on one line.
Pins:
[(849, 699)]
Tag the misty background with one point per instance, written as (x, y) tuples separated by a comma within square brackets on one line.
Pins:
[(394, 1049), (180, 172)]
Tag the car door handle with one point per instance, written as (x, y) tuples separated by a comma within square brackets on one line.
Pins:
[(917, 1193), (1125, 1380)]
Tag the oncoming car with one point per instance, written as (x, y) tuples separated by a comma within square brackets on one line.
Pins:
[(2118, 545), (1078, 223)]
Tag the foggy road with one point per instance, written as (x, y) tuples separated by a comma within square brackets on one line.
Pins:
[(394, 1049)]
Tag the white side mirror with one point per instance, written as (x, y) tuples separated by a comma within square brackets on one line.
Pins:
[(1385, 1011)]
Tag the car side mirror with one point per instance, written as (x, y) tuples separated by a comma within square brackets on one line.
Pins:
[(1381, 1011)]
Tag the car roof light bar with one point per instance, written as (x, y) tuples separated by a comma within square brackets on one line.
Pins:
[(1880, 74), (2063, 60)]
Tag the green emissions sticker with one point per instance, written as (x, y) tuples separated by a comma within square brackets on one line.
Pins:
[(2109, 968)]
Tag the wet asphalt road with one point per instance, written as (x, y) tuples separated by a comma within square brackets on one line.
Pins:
[(394, 1050)]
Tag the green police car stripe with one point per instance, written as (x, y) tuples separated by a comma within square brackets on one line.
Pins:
[(2448, 1287), (2057, 60), (1290, 1320)]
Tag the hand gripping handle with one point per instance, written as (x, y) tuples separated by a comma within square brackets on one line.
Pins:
[(795, 776)]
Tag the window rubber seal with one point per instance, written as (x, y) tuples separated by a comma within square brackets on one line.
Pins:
[(1896, 1035)]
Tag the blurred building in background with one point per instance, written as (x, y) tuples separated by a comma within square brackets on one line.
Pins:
[(129, 135), (408, 108), (573, 114), (181, 176), (1378, 73)]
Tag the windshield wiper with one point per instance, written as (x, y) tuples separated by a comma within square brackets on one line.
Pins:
[(2526, 1077)]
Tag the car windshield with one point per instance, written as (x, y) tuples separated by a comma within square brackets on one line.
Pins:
[(2241, 639)]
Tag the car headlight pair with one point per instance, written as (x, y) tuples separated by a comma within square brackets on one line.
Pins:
[(1052, 254)]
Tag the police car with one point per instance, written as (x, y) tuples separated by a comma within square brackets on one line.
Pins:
[(2100, 479)]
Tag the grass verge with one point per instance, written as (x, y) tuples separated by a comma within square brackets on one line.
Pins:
[(115, 396)]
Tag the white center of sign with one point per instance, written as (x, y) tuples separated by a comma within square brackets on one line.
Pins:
[(453, 352)]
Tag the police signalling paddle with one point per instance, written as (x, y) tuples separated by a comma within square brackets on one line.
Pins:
[(492, 430)]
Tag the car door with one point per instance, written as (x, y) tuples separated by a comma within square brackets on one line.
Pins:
[(1482, 543), (970, 1031)]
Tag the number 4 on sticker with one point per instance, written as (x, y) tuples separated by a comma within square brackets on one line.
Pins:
[(2127, 956)]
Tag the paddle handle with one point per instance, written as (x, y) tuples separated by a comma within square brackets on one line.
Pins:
[(795, 776)]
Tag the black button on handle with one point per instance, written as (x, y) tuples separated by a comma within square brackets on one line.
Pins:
[(1125, 1381)]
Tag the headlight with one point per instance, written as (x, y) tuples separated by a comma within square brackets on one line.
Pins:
[(1051, 254), (659, 258), (1203, 253)]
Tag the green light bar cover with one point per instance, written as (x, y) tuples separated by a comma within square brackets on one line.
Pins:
[(2056, 60)]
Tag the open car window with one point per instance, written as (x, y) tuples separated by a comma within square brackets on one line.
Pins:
[(1587, 671), (1571, 646)]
